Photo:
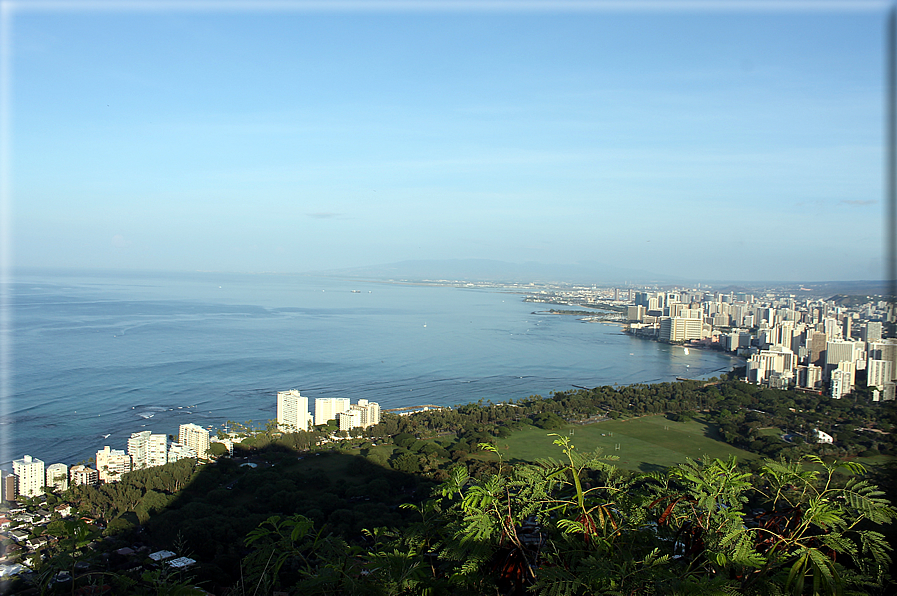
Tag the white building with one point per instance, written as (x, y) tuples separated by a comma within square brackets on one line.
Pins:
[(349, 420), (842, 351), (370, 412), (885, 350), (680, 329), (809, 376), (179, 451), (112, 464), (777, 359), (195, 437), (821, 437), (326, 408), (886, 393), (84, 475), (147, 450), (842, 380), (292, 411), (872, 331), (227, 442), (878, 373), (360, 415), (30, 473), (58, 476)]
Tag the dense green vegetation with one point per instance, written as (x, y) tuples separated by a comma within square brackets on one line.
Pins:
[(463, 500), (576, 526), (738, 412)]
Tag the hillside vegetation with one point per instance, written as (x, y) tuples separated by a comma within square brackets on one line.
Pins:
[(703, 495)]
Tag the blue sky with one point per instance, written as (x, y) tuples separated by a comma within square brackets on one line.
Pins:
[(719, 145)]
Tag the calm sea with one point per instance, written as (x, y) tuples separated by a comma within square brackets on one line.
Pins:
[(97, 357)]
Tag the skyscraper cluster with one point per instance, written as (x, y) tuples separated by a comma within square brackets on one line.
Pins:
[(812, 344)]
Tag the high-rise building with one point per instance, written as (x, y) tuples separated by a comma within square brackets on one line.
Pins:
[(635, 313), (84, 475), (841, 383), (58, 476), (720, 320), (832, 329), (872, 331), (816, 344), (147, 450), (178, 451), (680, 329), (777, 359), (675, 309), (360, 415), (8, 486), (730, 341), (112, 464), (885, 350), (783, 334), (349, 420), (841, 351), (370, 412), (326, 408), (30, 473), (195, 437), (878, 373), (292, 411), (809, 376)]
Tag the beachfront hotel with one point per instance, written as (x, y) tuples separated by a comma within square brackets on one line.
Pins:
[(194, 437), (292, 411), (328, 408)]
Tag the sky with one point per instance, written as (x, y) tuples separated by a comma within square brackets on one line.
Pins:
[(740, 144)]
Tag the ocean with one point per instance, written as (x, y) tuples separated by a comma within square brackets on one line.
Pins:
[(96, 357)]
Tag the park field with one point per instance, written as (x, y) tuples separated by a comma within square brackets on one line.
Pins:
[(645, 444)]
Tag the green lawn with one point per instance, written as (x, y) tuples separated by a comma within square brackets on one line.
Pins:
[(645, 444), (875, 460), (771, 431)]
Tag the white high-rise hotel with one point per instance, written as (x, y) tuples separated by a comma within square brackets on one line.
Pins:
[(292, 411), (112, 464), (327, 408), (147, 450), (196, 438), (30, 473), (363, 414), (58, 476)]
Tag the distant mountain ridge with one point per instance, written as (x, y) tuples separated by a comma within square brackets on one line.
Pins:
[(585, 272), (588, 272)]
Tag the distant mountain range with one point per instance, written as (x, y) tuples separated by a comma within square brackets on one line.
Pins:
[(586, 272), (589, 272)]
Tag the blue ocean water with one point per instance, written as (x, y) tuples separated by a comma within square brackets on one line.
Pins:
[(97, 357)]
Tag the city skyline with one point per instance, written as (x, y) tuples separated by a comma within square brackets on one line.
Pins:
[(295, 139)]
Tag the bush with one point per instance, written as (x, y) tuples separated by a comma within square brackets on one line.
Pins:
[(548, 421), (404, 439)]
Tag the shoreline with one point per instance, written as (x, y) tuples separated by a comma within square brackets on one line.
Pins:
[(177, 373), (399, 411)]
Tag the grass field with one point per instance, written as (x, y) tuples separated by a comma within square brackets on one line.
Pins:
[(646, 444), (771, 431)]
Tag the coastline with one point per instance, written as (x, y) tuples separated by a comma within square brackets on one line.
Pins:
[(114, 357)]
